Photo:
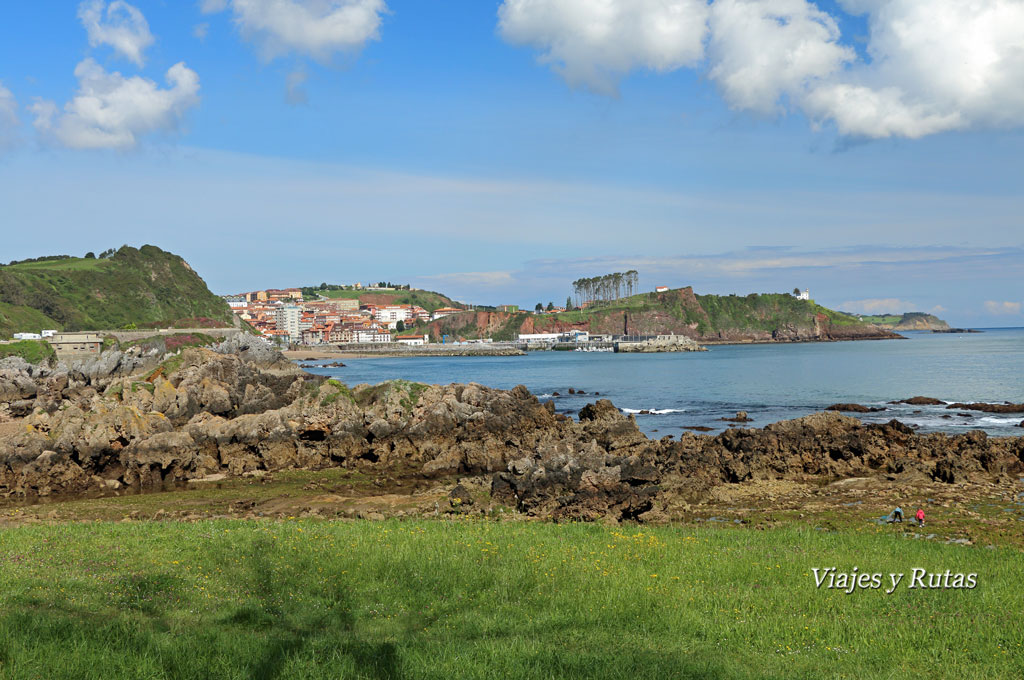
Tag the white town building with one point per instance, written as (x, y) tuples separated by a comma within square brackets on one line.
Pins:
[(806, 295), (372, 335), (288, 321), (414, 340)]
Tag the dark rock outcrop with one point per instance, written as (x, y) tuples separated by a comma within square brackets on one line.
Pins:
[(989, 408), (854, 408), (920, 401)]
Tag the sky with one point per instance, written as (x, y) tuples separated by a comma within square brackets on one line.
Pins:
[(497, 150)]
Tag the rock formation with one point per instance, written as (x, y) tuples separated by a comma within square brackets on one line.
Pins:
[(243, 409)]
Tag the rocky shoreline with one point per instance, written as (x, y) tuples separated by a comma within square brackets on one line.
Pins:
[(152, 422)]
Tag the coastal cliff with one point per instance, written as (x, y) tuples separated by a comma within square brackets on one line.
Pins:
[(707, 319), (242, 410), (910, 321)]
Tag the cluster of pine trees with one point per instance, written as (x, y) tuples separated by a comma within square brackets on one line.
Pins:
[(606, 288)]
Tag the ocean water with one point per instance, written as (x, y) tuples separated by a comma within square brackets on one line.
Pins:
[(770, 382)]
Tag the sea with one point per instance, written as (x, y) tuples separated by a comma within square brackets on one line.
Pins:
[(670, 392)]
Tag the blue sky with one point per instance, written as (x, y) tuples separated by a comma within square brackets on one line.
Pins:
[(497, 151)]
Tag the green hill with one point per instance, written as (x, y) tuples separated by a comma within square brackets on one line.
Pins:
[(427, 299), (142, 286), (910, 321), (770, 317)]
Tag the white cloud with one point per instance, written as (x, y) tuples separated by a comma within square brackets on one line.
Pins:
[(118, 24), (865, 112), (1002, 308), (594, 43), (110, 111), (317, 28), (878, 306), (9, 122), (762, 49), (935, 66), (295, 91), (201, 30), (931, 66)]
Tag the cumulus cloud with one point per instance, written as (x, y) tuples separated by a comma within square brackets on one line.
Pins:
[(593, 44), (936, 66), (931, 66), (119, 25), (762, 49), (1002, 308), (111, 111), (9, 122), (316, 28)]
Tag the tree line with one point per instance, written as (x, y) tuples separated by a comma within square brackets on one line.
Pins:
[(606, 288)]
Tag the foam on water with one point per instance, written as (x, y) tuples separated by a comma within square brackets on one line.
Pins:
[(1001, 421)]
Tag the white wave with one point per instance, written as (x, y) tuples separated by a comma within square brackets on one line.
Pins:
[(992, 420), (653, 411)]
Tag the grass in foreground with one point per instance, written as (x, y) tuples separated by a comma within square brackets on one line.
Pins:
[(438, 599)]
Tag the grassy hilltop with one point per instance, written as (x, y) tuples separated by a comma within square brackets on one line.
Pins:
[(143, 286), (427, 299), (709, 318), (910, 321)]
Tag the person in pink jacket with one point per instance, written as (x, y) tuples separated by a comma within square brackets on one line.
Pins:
[(920, 517)]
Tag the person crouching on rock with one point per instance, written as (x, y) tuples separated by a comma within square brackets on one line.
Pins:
[(920, 517), (897, 515)]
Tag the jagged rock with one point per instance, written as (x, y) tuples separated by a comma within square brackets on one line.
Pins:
[(460, 497), (212, 413)]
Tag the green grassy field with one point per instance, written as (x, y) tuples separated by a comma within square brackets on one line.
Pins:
[(444, 599)]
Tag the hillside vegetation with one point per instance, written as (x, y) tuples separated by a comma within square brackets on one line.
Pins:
[(910, 321), (143, 286), (427, 299), (32, 351), (725, 318)]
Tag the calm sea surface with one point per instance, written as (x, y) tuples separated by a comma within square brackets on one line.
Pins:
[(770, 382)]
